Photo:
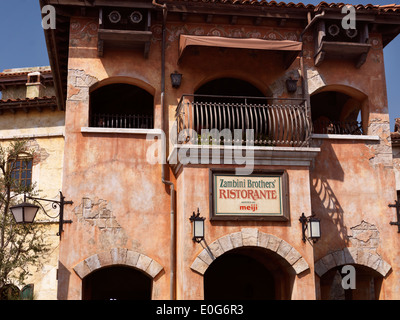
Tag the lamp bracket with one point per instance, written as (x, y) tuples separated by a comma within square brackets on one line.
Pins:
[(304, 220), (196, 216), (397, 206), (54, 204)]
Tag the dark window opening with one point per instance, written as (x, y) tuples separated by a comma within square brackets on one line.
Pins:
[(21, 172), (121, 106), (116, 283), (336, 113), (228, 88)]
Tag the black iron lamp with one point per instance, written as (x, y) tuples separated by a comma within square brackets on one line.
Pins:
[(311, 228), (291, 85), (176, 79), (26, 212), (198, 226)]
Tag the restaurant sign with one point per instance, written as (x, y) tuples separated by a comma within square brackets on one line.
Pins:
[(255, 197)]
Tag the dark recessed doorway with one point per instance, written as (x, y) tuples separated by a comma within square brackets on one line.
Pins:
[(116, 283), (245, 274)]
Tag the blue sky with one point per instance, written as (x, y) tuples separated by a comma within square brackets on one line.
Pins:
[(22, 43)]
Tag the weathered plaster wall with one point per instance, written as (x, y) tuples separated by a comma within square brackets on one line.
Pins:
[(119, 199), (193, 185), (32, 124), (47, 142), (120, 202), (353, 181)]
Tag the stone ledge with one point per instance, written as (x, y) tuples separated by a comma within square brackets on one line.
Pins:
[(151, 132), (345, 137), (254, 155)]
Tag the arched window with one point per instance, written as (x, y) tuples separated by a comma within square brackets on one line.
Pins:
[(21, 171), (335, 112), (121, 105)]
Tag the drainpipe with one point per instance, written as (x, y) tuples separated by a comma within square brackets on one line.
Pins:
[(306, 94), (164, 156)]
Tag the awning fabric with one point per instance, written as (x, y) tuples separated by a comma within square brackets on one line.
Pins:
[(238, 43)]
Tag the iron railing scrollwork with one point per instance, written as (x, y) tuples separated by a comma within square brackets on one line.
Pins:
[(285, 123)]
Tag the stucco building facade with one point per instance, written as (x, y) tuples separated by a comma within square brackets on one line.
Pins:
[(140, 155), (28, 111)]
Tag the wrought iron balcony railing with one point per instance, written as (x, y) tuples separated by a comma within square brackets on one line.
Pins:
[(338, 127), (124, 121), (243, 120)]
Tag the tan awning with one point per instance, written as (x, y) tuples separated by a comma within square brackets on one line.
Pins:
[(292, 47)]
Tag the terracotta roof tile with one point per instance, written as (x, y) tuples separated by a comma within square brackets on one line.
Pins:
[(385, 8), (16, 74), (27, 99)]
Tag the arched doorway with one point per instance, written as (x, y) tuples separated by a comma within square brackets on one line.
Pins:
[(229, 103), (116, 283), (227, 89), (247, 273), (368, 284), (369, 274)]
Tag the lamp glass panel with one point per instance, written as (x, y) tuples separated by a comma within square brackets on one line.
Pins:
[(314, 227), (30, 213), (198, 231), (176, 79), (17, 213)]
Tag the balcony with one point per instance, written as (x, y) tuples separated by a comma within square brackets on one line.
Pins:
[(242, 131), (242, 121)]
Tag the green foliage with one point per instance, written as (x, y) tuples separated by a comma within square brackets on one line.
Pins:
[(21, 245)]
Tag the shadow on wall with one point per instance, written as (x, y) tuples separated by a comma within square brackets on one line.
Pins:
[(63, 276), (324, 202)]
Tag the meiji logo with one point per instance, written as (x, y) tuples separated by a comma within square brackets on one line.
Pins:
[(252, 207)]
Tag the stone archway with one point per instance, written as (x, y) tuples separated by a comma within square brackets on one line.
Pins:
[(369, 270), (249, 237), (360, 256), (118, 256)]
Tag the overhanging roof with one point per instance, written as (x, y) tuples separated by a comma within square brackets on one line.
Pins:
[(384, 19)]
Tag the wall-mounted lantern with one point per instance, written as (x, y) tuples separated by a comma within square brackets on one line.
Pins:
[(311, 228), (198, 226), (176, 79), (26, 212), (291, 85)]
